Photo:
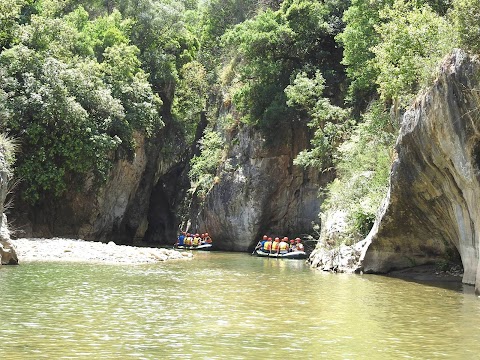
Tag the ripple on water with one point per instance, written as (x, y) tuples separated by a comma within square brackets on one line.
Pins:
[(231, 306)]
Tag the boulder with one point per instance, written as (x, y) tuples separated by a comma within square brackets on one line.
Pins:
[(431, 211), (8, 256)]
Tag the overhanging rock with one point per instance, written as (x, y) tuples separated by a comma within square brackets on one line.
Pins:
[(433, 207)]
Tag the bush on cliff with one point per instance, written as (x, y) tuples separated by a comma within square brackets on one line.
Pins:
[(203, 167), (465, 16), (363, 170)]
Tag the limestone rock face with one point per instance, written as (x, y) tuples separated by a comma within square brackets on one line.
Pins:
[(259, 191), (91, 213), (432, 210), (117, 211)]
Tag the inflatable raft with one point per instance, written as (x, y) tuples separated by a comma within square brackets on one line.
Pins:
[(204, 247), (298, 255)]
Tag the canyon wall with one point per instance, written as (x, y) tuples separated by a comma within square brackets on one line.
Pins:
[(117, 211), (259, 191), (432, 210)]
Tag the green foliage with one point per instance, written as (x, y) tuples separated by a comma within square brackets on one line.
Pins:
[(190, 99), (358, 38), (73, 92), (9, 17), (220, 15), (380, 24), (413, 40), (328, 121), (166, 44), (204, 166), (466, 19), (8, 148), (275, 46), (363, 169), (60, 141)]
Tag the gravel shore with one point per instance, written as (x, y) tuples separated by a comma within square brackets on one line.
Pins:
[(71, 250)]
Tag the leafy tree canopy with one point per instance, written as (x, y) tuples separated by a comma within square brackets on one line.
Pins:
[(276, 45), (73, 93)]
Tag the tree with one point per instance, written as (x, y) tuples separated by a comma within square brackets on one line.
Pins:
[(275, 46), (358, 39), (165, 43), (9, 17), (190, 97), (413, 40), (60, 140), (328, 121), (466, 19), (73, 92)]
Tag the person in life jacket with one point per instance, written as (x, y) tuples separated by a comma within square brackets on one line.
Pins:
[(196, 240), (283, 246), (292, 246), (180, 239), (188, 240), (207, 239), (275, 245), (299, 244), (261, 243), (267, 246)]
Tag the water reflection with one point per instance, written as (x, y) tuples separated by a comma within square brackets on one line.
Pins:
[(231, 306)]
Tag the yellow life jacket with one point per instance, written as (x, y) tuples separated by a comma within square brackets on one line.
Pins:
[(196, 240), (267, 246), (300, 247), (188, 240), (283, 246), (275, 246)]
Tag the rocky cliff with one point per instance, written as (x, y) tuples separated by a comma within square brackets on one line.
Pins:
[(259, 190), (431, 212), (432, 208), (117, 211)]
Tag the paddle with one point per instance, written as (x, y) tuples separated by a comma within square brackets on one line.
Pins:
[(256, 247)]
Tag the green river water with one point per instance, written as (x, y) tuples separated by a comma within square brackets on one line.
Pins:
[(229, 306)]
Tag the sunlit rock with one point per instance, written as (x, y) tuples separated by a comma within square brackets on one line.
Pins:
[(259, 190), (432, 211)]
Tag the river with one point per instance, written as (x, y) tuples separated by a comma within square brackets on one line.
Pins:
[(229, 306)]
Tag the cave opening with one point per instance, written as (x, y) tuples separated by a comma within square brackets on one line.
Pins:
[(161, 218), (165, 200)]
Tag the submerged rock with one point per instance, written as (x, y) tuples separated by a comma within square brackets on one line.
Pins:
[(432, 210)]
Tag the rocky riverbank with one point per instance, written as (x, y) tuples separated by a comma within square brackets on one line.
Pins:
[(71, 250)]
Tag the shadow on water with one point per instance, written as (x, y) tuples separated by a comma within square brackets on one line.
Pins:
[(429, 275)]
